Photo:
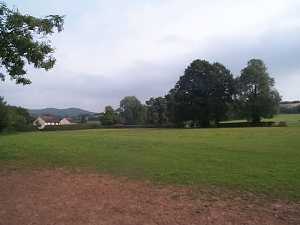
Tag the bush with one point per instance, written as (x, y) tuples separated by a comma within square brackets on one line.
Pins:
[(282, 124), (246, 124), (79, 126), (85, 126)]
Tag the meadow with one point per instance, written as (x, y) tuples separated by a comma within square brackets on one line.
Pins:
[(261, 160), (292, 120)]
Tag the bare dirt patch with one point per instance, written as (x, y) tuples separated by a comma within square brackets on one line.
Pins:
[(62, 197)]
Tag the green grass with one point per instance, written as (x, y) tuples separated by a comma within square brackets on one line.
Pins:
[(290, 119), (262, 160)]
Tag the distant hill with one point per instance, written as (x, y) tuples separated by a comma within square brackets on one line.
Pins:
[(69, 112), (290, 104), (291, 107)]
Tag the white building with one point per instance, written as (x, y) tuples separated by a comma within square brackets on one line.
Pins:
[(42, 121), (65, 121)]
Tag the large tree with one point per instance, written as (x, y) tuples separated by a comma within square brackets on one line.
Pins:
[(109, 117), (4, 115), (257, 96), (131, 111), (156, 111), (19, 119), (202, 94), (24, 39), (13, 118)]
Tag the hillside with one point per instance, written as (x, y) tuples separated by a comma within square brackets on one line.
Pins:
[(69, 112)]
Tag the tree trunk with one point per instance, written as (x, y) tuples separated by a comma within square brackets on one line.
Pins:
[(256, 119)]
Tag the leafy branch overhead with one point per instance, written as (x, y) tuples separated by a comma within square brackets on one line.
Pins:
[(24, 40)]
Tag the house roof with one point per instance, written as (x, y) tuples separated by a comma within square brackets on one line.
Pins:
[(67, 118), (50, 119)]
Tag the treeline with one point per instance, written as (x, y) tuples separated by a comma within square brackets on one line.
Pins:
[(290, 108), (14, 118), (204, 95)]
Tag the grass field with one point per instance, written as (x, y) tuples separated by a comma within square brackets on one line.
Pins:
[(262, 160), (292, 120)]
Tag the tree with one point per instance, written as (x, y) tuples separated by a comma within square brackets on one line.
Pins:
[(19, 119), (156, 111), (24, 40), (3, 114), (257, 96), (131, 110), (109, 117), (83, 118), (202, 94), (13, 118)]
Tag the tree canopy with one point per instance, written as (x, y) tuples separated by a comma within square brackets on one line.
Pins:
[(14, 118), (109, 116), (202, 94), (131, 110), (156, 111), (24, 40), (256, 93), (3, 114)]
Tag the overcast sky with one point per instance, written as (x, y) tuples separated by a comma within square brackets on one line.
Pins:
[(111, 49)]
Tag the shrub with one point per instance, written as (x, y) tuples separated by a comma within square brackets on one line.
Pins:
[(246, 124), (282, 124), (79, 126)]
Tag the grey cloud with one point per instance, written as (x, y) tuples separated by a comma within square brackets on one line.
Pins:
[(279, 47), (280, 50)]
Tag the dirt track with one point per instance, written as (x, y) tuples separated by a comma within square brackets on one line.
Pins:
[(62, 198)]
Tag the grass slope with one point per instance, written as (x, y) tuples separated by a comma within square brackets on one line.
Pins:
[(263, 160)]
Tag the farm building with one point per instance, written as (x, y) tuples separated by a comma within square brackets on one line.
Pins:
[(48, 120), (66, 121)]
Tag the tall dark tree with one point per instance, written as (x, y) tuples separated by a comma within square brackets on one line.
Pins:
[(157, 111), (257, 96), (13, 118), (131, 111), (24, 39), (202, 94), (3, 114), (19, 118)]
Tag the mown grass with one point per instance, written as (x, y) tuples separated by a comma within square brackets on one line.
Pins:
[(292, 120), (262, 160)]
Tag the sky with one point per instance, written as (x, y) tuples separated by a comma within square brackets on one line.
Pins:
[(112, 49)]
